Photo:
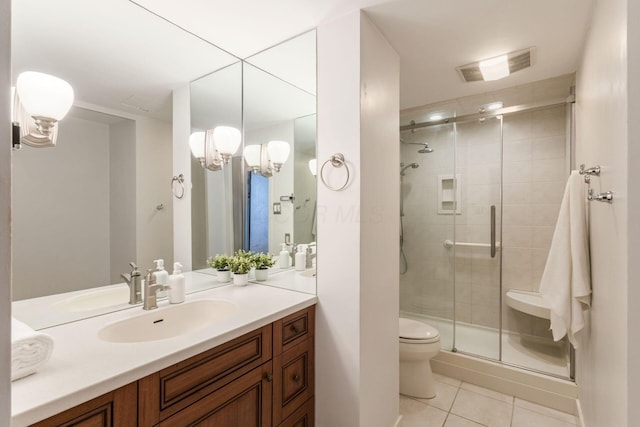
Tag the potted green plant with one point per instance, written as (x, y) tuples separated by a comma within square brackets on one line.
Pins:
[(221, 264), (262, 262), (240, 265)]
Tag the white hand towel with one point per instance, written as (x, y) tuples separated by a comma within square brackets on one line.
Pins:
[(566, 281), (29, 349)]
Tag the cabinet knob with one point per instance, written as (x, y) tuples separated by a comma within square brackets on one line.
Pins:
[(296, 377), (268, 377), (294, 328)]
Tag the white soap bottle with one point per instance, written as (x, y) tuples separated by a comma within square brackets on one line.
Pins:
[(283, 259), (301, 257), (162, 277), (176, 284)]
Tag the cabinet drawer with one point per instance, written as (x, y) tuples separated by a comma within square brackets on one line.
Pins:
[(166, 392), (114, 409), (293, 329), (245, 402), (302, 417), (293, 384)]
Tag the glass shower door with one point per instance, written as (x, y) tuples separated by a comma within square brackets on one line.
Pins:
[(477, 237)]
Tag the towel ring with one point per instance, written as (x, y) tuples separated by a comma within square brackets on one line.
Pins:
[(180, 179), (337, 161)]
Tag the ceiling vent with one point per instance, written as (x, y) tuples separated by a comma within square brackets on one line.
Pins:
[(518, 60)]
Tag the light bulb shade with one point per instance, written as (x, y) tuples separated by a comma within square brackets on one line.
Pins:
[(227, 139), (43, 95), (495, 68), (278, 151), (196, 142), (313, 166), (252, 155)]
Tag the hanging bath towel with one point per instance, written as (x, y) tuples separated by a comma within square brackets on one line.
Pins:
[(566, 281)]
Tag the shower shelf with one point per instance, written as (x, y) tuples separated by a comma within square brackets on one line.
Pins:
[(450, 243)]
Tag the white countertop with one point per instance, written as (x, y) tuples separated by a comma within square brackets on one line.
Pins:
[(83, 367)]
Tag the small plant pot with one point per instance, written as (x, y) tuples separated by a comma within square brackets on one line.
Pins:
[(223, 276), (240, 279), (262, 274)]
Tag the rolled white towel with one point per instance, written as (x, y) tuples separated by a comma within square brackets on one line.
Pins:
[(29, 349)]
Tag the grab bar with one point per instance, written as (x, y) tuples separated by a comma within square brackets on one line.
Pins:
[(450, 243)]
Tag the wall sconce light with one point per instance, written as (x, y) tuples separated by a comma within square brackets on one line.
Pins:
[(215, 147), (267, 158), (313, 166), (40, 102)]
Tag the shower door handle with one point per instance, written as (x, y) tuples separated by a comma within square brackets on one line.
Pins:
[(493, 231)]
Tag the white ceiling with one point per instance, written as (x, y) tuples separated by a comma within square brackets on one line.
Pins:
[(118, 55), (245, 27), (112, 52), (434, 37)]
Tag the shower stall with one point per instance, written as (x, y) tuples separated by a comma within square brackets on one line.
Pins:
[(479, 204)]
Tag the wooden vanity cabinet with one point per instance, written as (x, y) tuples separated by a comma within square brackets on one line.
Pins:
[(117, 408), (264, 378)]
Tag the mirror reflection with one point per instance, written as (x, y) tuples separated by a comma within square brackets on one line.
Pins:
[(277, 168), (100, 198)]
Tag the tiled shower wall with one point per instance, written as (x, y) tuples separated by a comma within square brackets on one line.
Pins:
[(534, 170)]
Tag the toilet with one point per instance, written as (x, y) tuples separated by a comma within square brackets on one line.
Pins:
[(419, 343)]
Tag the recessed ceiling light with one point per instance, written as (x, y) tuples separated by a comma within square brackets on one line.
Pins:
[(494, 68), (435, 117), (493, 106)]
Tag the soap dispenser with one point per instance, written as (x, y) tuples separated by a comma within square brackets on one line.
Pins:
[(161, 275), (176, 284), (300, 257), (283, 259)]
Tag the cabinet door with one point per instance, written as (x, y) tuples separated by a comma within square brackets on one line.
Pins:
[(293, 380), (175, 388), (115, 409), (245, 402)]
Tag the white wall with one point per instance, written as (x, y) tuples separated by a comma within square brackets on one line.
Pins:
[(633, 196), (602, 138), (357, 329), (5, 214), (379, 224)]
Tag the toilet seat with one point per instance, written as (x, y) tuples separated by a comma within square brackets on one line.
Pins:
[(414, 332)]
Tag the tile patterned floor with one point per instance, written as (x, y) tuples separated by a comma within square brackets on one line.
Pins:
[(460, 404)]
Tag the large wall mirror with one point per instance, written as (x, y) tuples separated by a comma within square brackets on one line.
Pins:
[(102, 197), (278, 103)]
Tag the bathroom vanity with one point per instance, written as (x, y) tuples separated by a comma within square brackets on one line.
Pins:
[(256, 367)]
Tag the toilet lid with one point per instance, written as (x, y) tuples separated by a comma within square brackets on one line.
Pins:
[(414, 330)]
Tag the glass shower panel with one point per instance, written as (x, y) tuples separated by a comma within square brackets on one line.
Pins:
[(477, 243), (536, 159), (427, 221)]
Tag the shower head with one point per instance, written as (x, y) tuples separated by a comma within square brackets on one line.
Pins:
[(411, 165), (425, 149)]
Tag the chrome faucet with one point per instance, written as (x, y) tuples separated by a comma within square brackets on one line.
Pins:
[(309, 258), (133, 280), (151, 289)]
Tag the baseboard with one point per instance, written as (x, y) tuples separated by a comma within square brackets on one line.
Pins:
[(579, 413), (398, 422), (541, 389)]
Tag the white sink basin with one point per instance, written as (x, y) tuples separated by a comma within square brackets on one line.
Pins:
[(309, 273), (169, 322), (94, 300)]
